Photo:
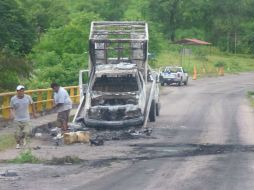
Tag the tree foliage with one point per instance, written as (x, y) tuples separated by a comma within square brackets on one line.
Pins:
[(47, 40), (224, 23), (63, 51), (17, 36)]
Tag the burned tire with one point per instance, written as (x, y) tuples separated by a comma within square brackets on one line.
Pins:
[(152, 113), (157, 109), (180, 83), (186, 82)]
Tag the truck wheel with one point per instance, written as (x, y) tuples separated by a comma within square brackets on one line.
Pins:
[(162, 83), (180, 82), (157, 109), (152, 113), (186, 82)]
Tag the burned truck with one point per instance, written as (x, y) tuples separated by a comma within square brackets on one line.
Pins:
[(122, 89)]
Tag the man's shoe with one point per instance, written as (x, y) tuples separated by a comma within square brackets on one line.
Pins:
[(18, 146), (55, 131), (58, 137)]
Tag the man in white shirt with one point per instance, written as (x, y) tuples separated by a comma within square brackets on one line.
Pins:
[(20, 113), (63, 105)]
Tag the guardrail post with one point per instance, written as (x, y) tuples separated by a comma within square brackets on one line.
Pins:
[(39, 102), (78, 94), (49, 102), (72, 92), (6, 104), (30, 106)]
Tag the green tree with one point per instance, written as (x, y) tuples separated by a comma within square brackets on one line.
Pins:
[(224, 21), (46, 13), (17, 36), (167, 14), (62, 52)]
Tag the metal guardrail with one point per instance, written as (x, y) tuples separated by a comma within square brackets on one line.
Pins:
[(44, 99)]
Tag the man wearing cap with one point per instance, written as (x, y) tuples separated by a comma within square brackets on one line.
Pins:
[(20, 113), (63, 105)]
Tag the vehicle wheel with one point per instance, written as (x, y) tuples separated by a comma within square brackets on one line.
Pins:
[(152, 113), (157, 109), (180, 82), (186, 82), (162, 83)]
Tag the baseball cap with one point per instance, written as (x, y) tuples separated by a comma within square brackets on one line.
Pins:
[(19, 87)]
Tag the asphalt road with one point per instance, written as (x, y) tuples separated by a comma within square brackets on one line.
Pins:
[(207, 141)]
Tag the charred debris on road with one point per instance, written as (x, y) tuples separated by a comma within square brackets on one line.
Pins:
[(97, 136)]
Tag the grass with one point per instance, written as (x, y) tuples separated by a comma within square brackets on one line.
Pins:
[(251, 98), (25, 157), (7, 141), (206, 61)]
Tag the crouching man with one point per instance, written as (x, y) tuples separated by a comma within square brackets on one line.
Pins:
[(63, 105), (20, 113)]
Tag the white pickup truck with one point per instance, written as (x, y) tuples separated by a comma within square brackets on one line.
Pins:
[(170, 74), (122, 90)]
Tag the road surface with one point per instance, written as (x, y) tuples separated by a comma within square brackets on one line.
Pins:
[(203, 140), (208, 144)]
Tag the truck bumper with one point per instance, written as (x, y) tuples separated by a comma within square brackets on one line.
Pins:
[(170, 80), (115, 124)]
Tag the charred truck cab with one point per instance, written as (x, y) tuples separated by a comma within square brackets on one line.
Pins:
[(122, 89), (116, 96)]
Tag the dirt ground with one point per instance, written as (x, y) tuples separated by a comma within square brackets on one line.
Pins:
[(95, 162)]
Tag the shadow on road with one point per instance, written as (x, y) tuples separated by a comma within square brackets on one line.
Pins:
[(161, 150), (184, 150)]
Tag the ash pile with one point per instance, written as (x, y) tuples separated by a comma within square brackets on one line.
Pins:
[(94, 136)]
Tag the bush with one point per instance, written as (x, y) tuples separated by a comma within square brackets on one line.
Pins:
[(220, 64), (25, 157)]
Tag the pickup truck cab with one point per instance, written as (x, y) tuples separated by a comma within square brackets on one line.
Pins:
[(116, 96), (173, 74)]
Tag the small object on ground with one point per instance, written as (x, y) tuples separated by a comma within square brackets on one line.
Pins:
[(133, 132), (126, 135), (38, 134), (50, 125), (98, 141), (55, 131), (57, 143), (55, 175), (18, 146), (9, 174), (58, 136), (148, 132), (70, 138), (76, 137), (37, 148), (83, 136), (115, 138), (75, 127)]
